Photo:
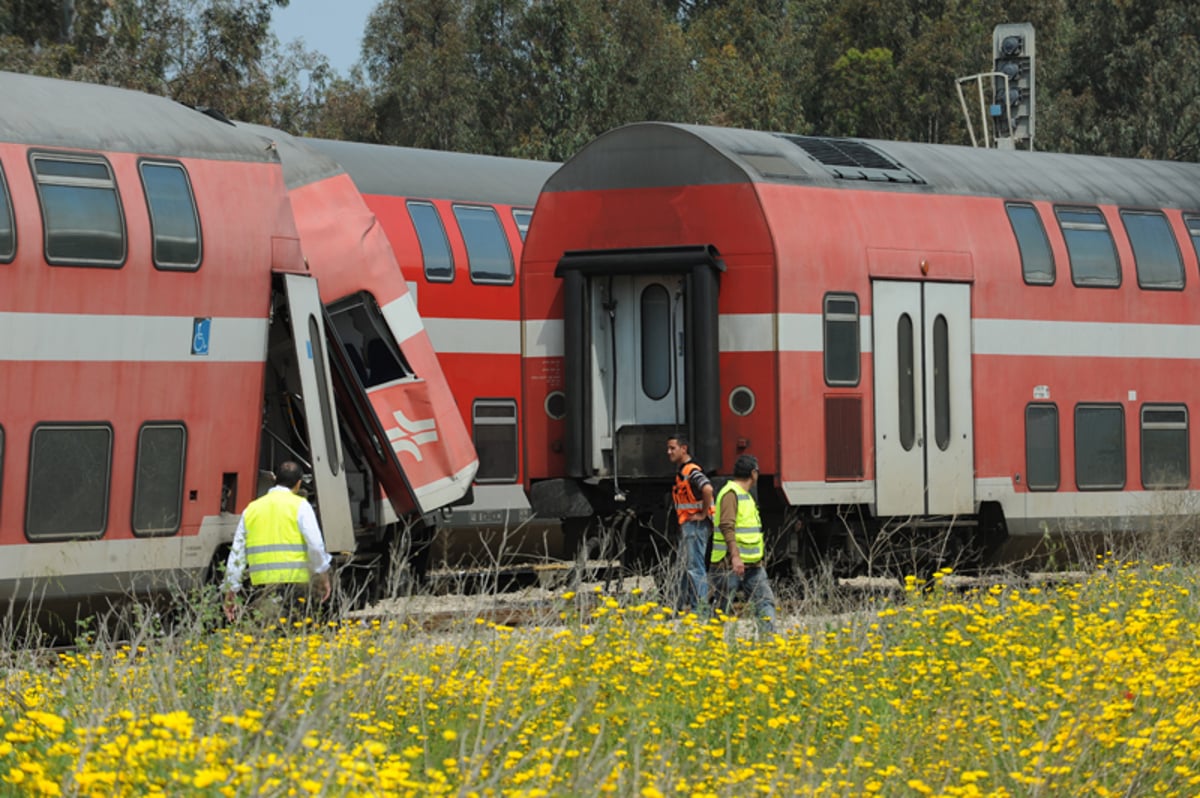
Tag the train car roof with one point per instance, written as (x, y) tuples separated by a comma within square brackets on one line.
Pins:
[(302, 164), (433, 174), (656, 154), (46, 112)]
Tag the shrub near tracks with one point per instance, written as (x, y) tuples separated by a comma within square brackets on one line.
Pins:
[(1085, 689)]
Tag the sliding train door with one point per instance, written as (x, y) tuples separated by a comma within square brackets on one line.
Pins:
[(924, 442)]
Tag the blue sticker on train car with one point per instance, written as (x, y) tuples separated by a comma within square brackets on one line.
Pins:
[(200, 335), (308, 345)]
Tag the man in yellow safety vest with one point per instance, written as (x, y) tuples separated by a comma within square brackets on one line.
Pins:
[(737, 551), (279, 541)]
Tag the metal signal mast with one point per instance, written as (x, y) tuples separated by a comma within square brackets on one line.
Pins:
[(1006, 94)]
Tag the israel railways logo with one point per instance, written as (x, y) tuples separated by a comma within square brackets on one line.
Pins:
[(411, 435)]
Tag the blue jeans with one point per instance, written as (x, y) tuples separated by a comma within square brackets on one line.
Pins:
[(754, 584), (693, 546)]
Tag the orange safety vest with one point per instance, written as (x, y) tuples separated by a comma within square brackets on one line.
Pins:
[(688, 506)]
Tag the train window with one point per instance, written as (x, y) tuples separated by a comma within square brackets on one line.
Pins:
[(489, 258), (435, 247), (158, 479), (8, 229), (1090, 247), (368, 341), (1099, 447), (1193, 226), (1037, 260), (69, 470), (841, 339), (656, 341), (174, 221), (1041, 446), (522, 216), (1165, 461), (81, 210), (941, 383), (906, 383), (1155, 253), (494, 424)]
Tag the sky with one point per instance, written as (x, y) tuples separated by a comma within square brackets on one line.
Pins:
[(333, 28)]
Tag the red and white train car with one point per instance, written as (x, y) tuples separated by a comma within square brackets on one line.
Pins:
[(971, 347), (162, 342)]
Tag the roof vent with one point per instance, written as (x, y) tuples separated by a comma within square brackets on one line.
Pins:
[(849, 159)]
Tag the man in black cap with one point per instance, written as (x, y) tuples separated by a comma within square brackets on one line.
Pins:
[(737, 552)]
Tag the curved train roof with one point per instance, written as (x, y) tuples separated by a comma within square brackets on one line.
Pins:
[(433, 174), (654, 154), (302, 164), (47, 112)]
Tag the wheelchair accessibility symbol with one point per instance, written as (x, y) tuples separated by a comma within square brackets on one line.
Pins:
[(200, 335)]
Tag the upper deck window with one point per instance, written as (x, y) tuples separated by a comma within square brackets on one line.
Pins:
[(1155, 252), (435, 247), (1090, 247), (81, 210), (1037, 260), (368, 341), (1193, 226), (8, 230), (522, 216), (490, 259), (174, 221)]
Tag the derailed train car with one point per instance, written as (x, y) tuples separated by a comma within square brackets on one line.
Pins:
[(938, 354), (165, 342)]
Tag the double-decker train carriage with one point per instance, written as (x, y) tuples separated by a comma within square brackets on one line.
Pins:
[(163, 342), (456, 224), (964, 349)]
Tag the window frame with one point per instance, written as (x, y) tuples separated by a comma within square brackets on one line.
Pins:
[(1025, 275), (65, 426), (137, 463), (111, 183), (187, 180), (409, 205), (522, 230), (476, 422), (512, 262), (1126, 212), (1044, 487), (1103, 225), (1191, 223), (1187, 451), (6, 206), (842, 318), (1120, 408)]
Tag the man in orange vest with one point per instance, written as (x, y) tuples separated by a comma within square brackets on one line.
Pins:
[(693, 497), (279, 539)]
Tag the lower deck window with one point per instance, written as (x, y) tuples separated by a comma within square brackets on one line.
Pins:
[(494, 422), (69, 470), (1165, 461), (1041, 446), (158, 481), (1099, 447)]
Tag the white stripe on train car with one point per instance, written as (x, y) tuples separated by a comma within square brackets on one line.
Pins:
[(1086, 339), (402, 317), (81, 337), (543, 338), (474, 336)]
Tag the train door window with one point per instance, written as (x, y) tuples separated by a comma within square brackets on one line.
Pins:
[(907, 382), (435, 247), (657, 342), (522, 216), (69, 470), (158, 479), (1090, 247), (1165, 461), (1041, 446), (8, 229), (841, 339), (1155, 253), (941, 382), (489, 258), (1037, 259), (1193, 226), (1099, 447), (81, 210), (368, 341), (174, 221), (494, 424)]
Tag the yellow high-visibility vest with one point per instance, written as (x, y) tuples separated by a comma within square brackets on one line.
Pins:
[(747, 526), (275, 548)]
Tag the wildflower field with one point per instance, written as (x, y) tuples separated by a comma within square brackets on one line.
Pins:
[(1085, 689)]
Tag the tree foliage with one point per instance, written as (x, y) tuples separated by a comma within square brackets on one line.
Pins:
[(540, 78)]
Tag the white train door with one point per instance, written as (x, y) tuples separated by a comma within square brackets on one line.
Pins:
[(924, 441)]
